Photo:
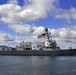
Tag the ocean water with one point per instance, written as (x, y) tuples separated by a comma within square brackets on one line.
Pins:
[(37, 65)]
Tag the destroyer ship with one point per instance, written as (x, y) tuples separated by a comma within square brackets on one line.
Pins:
[(48, 48), (48, 45)]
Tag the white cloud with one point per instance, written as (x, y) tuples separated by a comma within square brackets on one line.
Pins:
[(61, 35), (39, 30), (66, 14), (8, 12), (26, 29), (9, 40), (65, 37), (34, 10), (13, 1), (5, 37), (22, 29), (64, 33)]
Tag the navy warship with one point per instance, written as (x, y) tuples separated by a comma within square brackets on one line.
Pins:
[(49, 48), (48, 45)]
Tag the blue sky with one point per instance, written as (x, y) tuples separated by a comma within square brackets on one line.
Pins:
[(67, 4), (26, 19)]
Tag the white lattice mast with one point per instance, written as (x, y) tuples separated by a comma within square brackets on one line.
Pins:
[(46, 30)]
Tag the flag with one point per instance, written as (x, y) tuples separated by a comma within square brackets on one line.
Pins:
[(42, 36)]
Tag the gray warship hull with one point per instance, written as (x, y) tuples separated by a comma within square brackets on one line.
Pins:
[(70, 52)]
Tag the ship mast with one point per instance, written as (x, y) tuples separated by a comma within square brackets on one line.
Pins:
[(46, 30)]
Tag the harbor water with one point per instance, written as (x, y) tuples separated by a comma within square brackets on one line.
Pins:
[(37, 65)]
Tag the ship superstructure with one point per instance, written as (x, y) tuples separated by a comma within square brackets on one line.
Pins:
[(24, 46), (49, 45)]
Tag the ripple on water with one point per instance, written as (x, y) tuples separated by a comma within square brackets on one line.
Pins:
[(37, 65)]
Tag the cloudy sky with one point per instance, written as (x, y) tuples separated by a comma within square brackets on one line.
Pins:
[(26, 19)]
